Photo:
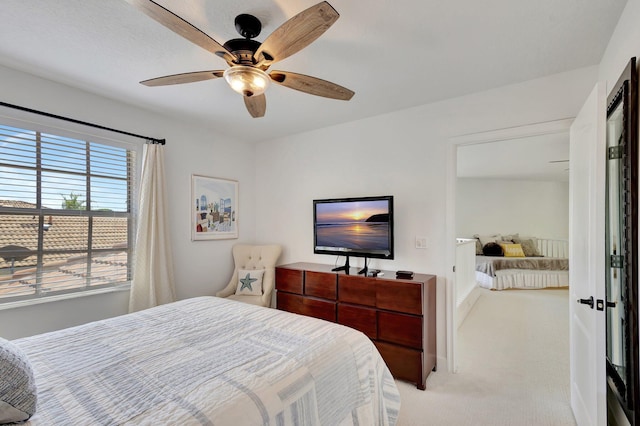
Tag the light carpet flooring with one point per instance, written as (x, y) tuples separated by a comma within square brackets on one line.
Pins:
[(513, 366)]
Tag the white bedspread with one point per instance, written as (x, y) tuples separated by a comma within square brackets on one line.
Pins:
[(210, 361)]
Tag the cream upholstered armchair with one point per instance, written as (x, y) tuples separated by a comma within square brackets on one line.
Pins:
[(253, 257)]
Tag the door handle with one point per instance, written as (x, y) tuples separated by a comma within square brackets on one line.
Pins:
[(588, 301)]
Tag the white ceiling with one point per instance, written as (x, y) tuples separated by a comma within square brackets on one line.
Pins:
[(543, 158), (393, 54)]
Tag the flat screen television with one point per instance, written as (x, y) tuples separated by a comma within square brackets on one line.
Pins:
[(360, 227)]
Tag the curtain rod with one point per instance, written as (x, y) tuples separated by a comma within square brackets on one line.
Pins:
[(73, 120)]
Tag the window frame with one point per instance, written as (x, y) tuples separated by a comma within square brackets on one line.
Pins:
[(56, 127)]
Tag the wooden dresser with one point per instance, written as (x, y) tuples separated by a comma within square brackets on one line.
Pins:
[(398, 315)]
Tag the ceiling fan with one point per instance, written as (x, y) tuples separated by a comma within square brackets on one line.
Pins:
[(249, 59)]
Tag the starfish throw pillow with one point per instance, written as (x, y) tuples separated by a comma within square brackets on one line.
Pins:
[(250, 282)]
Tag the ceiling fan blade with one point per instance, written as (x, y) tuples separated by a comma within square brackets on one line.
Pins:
[(297, 33), (187, 77), (311, 85), (256, 105), (181, 27)]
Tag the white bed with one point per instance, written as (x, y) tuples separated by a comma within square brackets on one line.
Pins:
[(548, 273), (469, 274), (210, 361)]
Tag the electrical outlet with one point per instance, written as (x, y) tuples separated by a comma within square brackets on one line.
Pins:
[(421, 243)]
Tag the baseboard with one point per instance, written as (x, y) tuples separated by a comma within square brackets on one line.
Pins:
[(465, 306), (441, 363)]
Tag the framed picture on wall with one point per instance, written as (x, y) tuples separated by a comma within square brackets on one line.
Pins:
[(214, 208)]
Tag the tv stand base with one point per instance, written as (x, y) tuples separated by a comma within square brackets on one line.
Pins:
[(344, 268), (364, 270)]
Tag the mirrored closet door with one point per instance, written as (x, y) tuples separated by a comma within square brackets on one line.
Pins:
[(621, 236)]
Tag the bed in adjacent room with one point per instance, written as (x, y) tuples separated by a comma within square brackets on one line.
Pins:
[(499, 273), (208, 360), (511, 261)]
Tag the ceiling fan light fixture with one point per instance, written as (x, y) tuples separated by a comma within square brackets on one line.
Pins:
[(247, 81)]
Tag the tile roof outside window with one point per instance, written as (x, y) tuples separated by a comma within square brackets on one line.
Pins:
[(63, 232), (50, 242), (60, 270)]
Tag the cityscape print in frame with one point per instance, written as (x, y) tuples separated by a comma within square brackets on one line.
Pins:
[(214, 208)]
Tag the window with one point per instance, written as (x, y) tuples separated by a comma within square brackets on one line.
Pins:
[(65, 214)]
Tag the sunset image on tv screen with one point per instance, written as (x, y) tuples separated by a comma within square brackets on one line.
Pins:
[(361, 225)]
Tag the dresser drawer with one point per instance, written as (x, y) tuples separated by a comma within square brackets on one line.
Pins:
[(402, 329), (358, 290), (290, 280), (404, 363), (400, 296), (360, 318), (320, 309), (290, 302), (321, 285), (306, 306)]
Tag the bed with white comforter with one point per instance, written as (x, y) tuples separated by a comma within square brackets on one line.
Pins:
[(500, 273), (210, 361)]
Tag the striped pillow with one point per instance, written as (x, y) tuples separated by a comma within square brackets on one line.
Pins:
[(17, 384)]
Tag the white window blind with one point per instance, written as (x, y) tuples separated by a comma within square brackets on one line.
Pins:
[(65, 214)]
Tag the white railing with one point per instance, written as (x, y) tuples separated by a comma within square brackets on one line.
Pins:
[(553, 248)]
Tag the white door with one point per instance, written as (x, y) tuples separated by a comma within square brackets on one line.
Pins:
[(586, 260)]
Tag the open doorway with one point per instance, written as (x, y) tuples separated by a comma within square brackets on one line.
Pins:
[(500, 166)]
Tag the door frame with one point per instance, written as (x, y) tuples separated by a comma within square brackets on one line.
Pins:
[(517, 132)]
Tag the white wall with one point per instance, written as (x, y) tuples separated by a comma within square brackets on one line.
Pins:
[(403, 154), (534, 208), (202, 267), (624, 44)]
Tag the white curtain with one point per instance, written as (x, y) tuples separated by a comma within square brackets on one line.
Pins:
[(152, 283)]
